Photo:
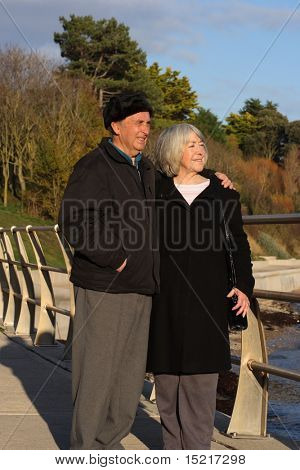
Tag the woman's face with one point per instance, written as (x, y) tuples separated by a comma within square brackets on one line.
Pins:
[(194, 154)]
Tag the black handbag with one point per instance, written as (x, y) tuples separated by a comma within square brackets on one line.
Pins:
[(235, 322)]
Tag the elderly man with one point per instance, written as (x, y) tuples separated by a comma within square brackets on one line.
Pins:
[(107, 217)]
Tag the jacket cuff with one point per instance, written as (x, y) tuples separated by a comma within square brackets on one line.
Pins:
[(246, 289)]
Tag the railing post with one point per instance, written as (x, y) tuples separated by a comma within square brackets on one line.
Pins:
[(25, 323), (45, 335), (4, 275), (249, 416), (11, 315), (68, 256)]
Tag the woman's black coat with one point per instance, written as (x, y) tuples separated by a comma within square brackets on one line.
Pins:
[(188, 328)]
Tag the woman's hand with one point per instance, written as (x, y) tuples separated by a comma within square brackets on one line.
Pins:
[(225, 181), (243, 301), (120, 269)]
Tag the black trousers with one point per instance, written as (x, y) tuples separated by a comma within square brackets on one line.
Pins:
[(187, 405), (108, 366)]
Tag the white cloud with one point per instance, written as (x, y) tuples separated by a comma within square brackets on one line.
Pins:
[(237, 13)]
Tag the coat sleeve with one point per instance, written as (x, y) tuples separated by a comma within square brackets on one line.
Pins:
[(88, 219), (240, 245)]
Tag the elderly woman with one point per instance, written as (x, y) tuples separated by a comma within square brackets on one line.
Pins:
[(188, 342)]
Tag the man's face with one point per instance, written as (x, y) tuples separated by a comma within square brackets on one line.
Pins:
[(132, 132)]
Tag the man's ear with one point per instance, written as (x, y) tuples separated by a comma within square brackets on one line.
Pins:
[(115, 127)]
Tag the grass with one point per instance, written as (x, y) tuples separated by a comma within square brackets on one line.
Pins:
[(11, 215), (272, 247)]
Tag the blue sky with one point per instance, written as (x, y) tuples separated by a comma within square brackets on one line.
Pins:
[(216, 43)]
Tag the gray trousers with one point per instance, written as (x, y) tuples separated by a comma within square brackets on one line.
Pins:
[(109, 353), (186, 404)]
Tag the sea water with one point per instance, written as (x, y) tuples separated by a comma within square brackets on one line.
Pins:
[(284, 394)]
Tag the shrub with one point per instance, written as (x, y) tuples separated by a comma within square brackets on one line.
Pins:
[(271, 246)]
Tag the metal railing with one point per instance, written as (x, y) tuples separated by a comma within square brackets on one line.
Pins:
[(249, 416), (293, 218), (28, 302), (35, 315)]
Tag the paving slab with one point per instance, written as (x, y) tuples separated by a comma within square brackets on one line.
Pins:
[(36, 407)]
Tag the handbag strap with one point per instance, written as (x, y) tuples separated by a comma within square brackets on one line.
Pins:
[(229, 251)]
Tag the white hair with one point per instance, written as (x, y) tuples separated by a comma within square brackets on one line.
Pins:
[(170, 146)]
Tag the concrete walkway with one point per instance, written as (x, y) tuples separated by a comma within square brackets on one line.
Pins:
[(36, 409)]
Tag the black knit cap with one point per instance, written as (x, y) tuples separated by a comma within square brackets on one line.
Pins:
[(123, 105)]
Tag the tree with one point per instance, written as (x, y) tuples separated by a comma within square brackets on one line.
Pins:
[(101, 50), (293, 132), (241, 124), (209, 124), (252, 106), (260, 129), (271, 133), (244, 126), (68, 128), (47, 121), (139, 79), (21, 76), (179, 100), (292, 175)]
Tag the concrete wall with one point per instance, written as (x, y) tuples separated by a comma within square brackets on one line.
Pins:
[(278, 275)]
